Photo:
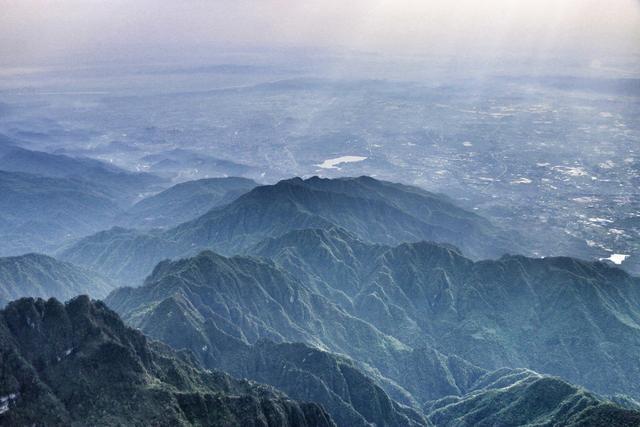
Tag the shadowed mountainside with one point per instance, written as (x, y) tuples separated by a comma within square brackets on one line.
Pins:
[(40, 276), (78, 364)]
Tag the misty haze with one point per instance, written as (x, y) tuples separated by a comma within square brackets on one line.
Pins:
[(274, 213)]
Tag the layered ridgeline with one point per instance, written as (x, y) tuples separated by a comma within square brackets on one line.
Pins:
[(36, 275), (184, 202), (78, 364), (220, 307), (37, 213), (502, 397), (376, 211), (229, 312), (561, 316), (47, 199), (250, 299), (121, 185)]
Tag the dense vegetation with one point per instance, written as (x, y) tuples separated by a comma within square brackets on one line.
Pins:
[(78, 364), (376, 301), (224, 308)]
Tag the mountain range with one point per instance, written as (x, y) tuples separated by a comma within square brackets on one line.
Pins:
[(78, 364), (376, 211), (224, 308), (119, 184), (49, 200), (383, 304), (560, 316), (37, 213), (181, 164)]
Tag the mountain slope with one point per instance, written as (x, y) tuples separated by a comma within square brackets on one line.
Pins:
[(184, 202), (123, 255), (561, 316), (45, 277), (467, 230), (77, 364), (306, 373), (250, 299), (37, 213), (303, 372), (120, 185), (222, 309), (324, 258), (391, 214), (522, 397), (376, 211)]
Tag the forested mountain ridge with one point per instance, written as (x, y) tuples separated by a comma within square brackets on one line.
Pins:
[(560, 316), (78, 364), (368, 297), (229, 312), (41, 276)]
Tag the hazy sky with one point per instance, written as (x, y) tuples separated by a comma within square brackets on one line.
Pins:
[(41, 30)]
